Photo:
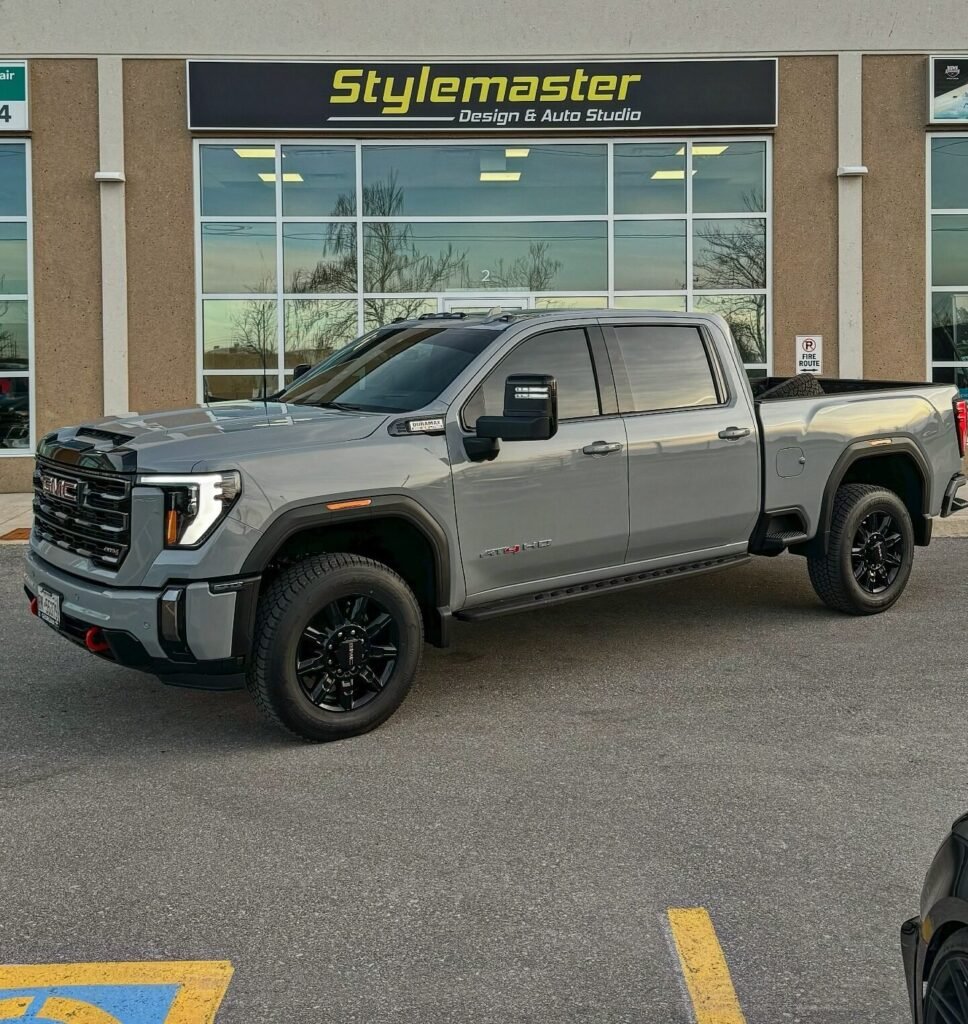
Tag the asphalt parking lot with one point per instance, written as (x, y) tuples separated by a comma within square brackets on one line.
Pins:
[(506, 847)]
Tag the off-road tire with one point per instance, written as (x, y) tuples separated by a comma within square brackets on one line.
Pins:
[(831, 573), (951, 960), (804, 385), (285, 609)]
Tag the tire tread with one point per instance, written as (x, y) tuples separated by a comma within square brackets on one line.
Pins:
[(825, 575), (277, 598)]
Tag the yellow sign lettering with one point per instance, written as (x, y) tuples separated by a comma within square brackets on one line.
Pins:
[(341, 80)]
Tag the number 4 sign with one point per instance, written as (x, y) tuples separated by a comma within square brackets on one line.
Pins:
[(13, 96), (810, 353)]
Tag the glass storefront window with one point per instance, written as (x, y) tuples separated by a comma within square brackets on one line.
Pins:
[(227, 387), (238, 258), (948, 259), (239, 334), (377, 312), (729, 253), (650, 255), (15, 300), (949, 173), (484, 181), (238, 181), (746, 316), (674, 303), (728, 177), (304, 245), (949, 326), (949, 249), (318, 181), (14, 334), (13, 181), (444, 257), (650, 178), (315, 328), (13, 258), (319, 258)]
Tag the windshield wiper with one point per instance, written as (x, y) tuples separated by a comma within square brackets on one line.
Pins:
[(342, 406)]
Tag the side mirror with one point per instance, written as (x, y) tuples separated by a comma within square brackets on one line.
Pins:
[(530, 410), (299, 369)]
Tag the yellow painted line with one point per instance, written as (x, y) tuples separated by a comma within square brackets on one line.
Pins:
[(704, 967), (202, 984)]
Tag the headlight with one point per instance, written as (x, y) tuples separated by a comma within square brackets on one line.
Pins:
[(195, 504)]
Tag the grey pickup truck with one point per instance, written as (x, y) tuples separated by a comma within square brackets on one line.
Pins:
[(464, 467)]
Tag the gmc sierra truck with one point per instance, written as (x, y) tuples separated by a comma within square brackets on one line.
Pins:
[(464, 467)]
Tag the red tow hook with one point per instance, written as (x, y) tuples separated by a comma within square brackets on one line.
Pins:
[(94, 641), (32, 605)]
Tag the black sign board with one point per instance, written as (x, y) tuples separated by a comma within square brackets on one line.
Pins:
[(465, 96), (949, 90)]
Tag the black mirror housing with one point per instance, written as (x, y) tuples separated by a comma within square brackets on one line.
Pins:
[(299, 369), (530, 410)]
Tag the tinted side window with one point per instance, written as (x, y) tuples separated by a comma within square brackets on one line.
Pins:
[(564, 354), (667, 367)]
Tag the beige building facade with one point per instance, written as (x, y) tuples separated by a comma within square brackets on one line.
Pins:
[(147, 264)]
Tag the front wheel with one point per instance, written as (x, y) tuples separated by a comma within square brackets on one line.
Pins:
[(946, 993), (338, 642), (868, 561)]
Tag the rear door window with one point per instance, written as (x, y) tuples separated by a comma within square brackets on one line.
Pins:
[(668, 367)]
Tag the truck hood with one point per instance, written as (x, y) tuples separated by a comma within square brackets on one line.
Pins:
[(187, 438)]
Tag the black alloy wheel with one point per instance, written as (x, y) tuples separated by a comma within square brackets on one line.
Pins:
[(347, 653), (946, 998), (877, 552), (338, 642), (865, 564)]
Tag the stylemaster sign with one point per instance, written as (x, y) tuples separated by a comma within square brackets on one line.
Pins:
[(519, 96)]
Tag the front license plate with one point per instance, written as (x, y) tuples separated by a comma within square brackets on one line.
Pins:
[(49, 607)]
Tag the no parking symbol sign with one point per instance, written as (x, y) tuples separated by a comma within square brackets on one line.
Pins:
[(173, 992), (810, 353)]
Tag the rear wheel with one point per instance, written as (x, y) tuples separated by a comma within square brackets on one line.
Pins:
[(338, 642), (946, 993), (868, 561)]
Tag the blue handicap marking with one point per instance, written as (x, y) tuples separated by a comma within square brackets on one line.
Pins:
[(162, 992), (100, 1004)]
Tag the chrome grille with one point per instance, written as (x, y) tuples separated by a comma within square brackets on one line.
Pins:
[(97, 525)]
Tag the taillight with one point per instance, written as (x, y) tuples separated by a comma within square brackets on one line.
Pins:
[(961, 423)]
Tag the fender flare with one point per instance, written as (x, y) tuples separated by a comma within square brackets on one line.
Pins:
[(863, 449), (295, 518)]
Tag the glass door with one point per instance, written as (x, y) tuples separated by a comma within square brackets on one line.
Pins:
[(475, 305)]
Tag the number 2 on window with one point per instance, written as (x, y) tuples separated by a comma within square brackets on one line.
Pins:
[(485, 276)]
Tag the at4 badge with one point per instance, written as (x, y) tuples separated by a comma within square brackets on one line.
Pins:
[(516, 549)]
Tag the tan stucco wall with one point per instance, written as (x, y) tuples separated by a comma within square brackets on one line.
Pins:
[(895, 110), (805, 210), (67, 240), (159, 218), (375, 28)]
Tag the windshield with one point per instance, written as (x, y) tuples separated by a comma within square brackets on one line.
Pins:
[(392, 369)]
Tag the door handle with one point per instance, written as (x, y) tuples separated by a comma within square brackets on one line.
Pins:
[(734, 433), (602, 448)]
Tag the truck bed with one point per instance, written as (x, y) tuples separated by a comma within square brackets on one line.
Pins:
[(834, 386), (803, 437)]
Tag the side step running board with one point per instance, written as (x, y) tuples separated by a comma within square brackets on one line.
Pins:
[(627, 581)]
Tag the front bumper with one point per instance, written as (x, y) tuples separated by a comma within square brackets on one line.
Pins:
[(194, 633)]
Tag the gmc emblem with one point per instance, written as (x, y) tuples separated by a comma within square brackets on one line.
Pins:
[(58, 487)]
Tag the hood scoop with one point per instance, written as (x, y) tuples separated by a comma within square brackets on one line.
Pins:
[(115, 438)]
